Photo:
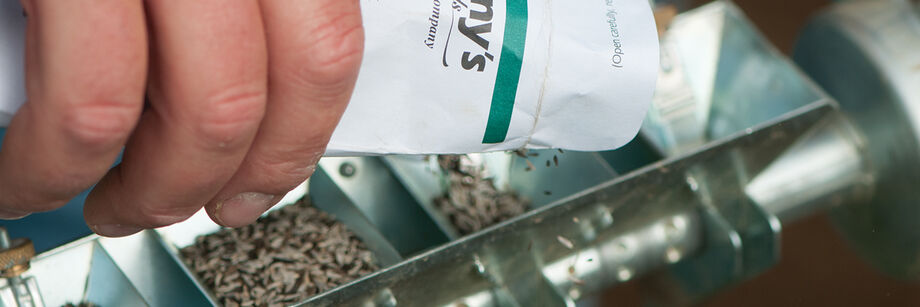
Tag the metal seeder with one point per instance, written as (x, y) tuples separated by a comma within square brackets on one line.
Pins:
[(739, 141)]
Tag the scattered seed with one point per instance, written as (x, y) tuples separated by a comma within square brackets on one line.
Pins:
[(565, 242), (548, 164), (555, 161), (547, 193), (520, 153), (530, 166), (560, 150)]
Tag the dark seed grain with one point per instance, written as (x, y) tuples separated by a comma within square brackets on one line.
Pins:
[(471, 201), (284, 258)]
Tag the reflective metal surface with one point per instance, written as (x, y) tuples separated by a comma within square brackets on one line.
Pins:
[(107, 285), (864, 53), (824, 168), (132, 271), (379, 198)]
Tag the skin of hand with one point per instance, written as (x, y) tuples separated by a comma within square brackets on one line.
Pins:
[(226, 105)]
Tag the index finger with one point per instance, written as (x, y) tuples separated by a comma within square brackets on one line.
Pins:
[(85, 69)]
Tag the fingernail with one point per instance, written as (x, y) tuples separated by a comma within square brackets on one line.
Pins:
[(243, 209), (115, 230)]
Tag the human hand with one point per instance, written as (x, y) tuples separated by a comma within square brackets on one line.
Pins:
[(242, 97)]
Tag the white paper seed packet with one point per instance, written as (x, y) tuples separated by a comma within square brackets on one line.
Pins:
[(12, 40), (467, 76)]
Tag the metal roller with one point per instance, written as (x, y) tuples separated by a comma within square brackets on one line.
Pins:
[(864, 53)]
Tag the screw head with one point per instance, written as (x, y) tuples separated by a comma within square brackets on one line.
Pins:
[(347, 169), (15, 259)]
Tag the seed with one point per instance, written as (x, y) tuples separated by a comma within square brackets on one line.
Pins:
[(565, 242), (270, 262), (472, 202), (520, 153)]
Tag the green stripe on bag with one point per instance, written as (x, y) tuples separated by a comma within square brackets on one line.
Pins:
[(509, 73)]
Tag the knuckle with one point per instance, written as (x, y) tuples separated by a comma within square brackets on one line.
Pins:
[(338, 57), (100, 123), (334, 51), (231, 116)]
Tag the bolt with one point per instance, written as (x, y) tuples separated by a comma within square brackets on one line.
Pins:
[(574, 293), (386, 299), (606, 217), (478, 266), (624, 274), (23, 296), (347, 169), (694, 186), (674, 227), (672, 254)]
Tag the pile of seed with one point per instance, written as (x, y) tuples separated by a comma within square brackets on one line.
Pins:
[(471, 201), (286, 257)]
